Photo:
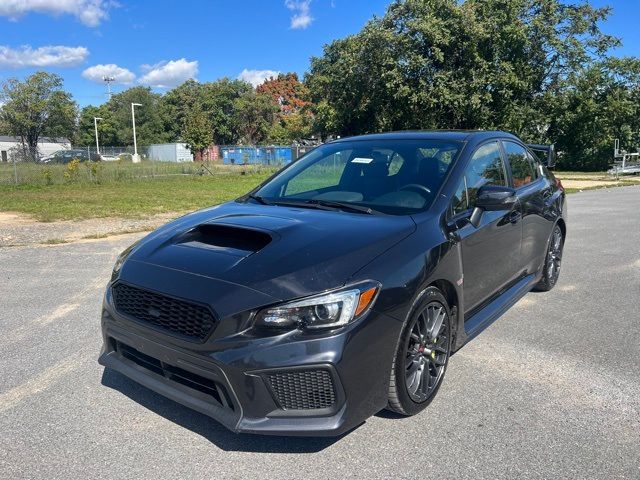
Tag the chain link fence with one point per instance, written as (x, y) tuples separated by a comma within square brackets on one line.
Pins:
[(80, 163)]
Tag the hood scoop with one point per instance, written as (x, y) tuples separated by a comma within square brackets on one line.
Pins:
[(229, 239)]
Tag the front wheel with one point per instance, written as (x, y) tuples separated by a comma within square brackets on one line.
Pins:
[(552, 262), (422, 355)]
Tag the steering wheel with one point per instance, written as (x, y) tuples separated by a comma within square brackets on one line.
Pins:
[(416, 187)]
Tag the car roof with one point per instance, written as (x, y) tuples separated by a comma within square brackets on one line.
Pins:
[(452, 135)]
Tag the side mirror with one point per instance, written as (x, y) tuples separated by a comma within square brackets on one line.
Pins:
[(492, 198)]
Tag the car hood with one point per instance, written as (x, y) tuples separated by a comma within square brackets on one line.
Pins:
[(283, 252)]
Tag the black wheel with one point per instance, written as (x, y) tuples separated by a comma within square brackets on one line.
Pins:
[(422, 355), (552, 262)]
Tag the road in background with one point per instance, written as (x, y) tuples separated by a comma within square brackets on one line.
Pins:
[(552, 389)]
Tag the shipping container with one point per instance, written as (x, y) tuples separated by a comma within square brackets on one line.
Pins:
[(169, 152)]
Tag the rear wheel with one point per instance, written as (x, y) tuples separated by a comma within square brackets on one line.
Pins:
[(552, 262), (422, 355)]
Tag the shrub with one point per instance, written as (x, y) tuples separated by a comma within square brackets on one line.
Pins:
[(95, 171), (46, 173), (72, 170)]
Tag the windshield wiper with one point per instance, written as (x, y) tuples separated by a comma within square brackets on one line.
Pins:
[(342, 206), (321, 205), (299, 203), (259, 199)]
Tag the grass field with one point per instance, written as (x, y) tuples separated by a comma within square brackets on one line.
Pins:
[(28, 173), (133, 199), (58, 192)]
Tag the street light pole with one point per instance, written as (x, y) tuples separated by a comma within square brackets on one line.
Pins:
[(136, 157), (95, 126)]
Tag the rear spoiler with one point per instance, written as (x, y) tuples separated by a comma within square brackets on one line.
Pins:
[(549, 152)]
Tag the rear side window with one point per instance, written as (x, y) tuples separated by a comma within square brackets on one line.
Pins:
[(537, 165), (523, 169), (485, 168)]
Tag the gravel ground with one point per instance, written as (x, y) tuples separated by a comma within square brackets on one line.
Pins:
[(551, 390), (19, 230)]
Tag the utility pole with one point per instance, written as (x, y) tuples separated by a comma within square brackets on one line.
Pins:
[(95, 126), (109, 81), (136, 157)]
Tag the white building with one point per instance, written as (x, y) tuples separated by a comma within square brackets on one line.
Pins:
[(46, 146), (170, 152)]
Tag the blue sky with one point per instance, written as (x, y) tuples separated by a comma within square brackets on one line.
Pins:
[(163, 42)]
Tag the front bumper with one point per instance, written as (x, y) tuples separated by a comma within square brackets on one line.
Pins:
[(253, 384)]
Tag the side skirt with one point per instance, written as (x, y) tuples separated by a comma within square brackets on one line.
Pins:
[(494, 310)]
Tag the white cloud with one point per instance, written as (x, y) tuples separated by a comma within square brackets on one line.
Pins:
[(48, 56), (169, 74), (98, 72), (89, 12), (256, 77), (301, 9)]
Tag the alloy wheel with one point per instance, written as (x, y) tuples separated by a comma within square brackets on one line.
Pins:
[(426, 351), (554, 256)]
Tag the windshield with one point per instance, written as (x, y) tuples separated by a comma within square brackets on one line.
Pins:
[(396, 177)]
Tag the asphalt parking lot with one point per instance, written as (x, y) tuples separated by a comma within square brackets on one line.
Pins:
[(551, 390)]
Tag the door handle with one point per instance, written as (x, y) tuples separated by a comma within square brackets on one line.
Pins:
[(515, 216)]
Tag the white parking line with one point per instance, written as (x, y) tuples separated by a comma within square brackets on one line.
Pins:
[(41, 382)]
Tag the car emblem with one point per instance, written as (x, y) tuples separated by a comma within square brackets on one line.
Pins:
[(154, 312)]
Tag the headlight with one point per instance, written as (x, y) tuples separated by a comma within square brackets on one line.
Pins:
[(120, 261), (323, 311)]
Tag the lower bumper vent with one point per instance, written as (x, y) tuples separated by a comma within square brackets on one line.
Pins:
[(303, 389), (205, 385)]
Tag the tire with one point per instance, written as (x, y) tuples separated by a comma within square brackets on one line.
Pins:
[(552, 261), (418, 345)]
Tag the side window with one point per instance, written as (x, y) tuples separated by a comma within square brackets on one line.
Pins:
[(460, 201), (537, 166), (522, 168), (485, 168)]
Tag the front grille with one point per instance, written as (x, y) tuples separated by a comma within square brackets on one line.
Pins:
[(178, 316), (196, 382), (303, 389)]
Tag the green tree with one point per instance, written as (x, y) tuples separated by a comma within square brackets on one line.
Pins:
[(452, 64), (149, 125), (116, 128), (108, 128), (253, 116), (176, 104), (219, 100), (197, 131), (601, 104), (214, 100), (291, 127), (37, 107)]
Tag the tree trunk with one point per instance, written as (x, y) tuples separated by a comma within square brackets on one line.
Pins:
[(32, 142)]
